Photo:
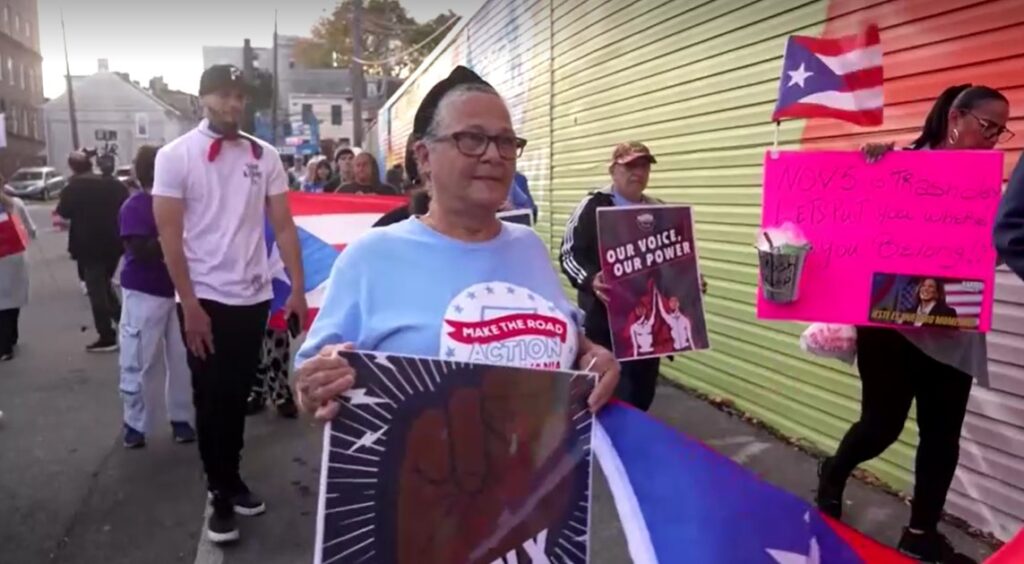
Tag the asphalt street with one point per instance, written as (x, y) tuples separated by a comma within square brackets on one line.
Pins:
[(71, 494)]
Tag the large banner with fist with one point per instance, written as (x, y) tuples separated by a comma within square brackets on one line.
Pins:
[(440, 462)]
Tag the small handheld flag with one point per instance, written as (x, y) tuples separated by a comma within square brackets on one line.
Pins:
[(837, 78)]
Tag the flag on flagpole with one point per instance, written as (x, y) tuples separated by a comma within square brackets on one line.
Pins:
[(680, 501), (326, 224), (837, 78)]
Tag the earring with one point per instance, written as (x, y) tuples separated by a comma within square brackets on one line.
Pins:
[(953, 137)]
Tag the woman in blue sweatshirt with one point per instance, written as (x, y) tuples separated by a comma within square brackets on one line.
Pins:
[(470, 266)]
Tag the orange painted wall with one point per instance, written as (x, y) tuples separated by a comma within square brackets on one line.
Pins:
[(929, 45)]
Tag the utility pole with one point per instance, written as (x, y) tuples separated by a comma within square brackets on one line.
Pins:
[(273, 106), (249, 72), (358, 90), (71, 92)]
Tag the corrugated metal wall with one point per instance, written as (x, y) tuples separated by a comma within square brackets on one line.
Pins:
[(697, 80), (930, 45)]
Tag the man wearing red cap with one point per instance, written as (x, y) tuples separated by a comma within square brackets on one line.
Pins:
[(214, 188), (630, 169)]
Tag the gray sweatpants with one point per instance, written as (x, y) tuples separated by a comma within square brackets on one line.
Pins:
[(150, 333)]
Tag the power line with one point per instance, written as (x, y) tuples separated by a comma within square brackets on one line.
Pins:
[(395, 58)]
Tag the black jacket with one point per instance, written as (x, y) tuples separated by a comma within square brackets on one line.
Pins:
[(580, 259), (1009, 228), (93, 205), (419, 204)]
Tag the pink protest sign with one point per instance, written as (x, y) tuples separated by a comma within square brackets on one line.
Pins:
[(905, 241)]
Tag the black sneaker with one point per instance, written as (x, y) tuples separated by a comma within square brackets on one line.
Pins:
[(6, 356), (221, 526), (183, 432), (931, 546), (245, 503), (133, 438), (102, 346), (829, 498), (288, 410), (248, 504), (255, 405)]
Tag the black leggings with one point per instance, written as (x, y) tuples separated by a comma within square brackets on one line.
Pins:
[(638, 382), (8, 330), (894, 372)]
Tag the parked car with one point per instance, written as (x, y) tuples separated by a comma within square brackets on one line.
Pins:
[(41, 183), (123, 173), (127, 177)]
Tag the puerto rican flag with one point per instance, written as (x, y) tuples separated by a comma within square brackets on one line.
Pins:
[(680, 501), (326, 224), (832, 78)]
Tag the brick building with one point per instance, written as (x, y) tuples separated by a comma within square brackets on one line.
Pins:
[(21, 85)]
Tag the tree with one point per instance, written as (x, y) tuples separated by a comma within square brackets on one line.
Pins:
[(389, 35)]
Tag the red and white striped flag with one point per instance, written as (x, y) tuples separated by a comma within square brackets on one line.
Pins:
[(835, 78)]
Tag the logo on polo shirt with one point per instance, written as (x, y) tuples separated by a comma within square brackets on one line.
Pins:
[(499, 323), (252, 172)]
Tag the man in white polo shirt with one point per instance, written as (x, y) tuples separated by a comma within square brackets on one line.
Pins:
[(213, 190)]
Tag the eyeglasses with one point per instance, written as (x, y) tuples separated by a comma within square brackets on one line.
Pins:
[(473, 144), (992, 130)]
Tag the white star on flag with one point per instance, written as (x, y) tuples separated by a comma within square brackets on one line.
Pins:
[(786, 557), (798, 76)]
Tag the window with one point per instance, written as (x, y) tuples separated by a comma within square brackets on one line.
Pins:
[(142, 125), (21, 72), (336, 114), (31, 81), (34, 126), (7, 17), (28, 30), (307, 109), (10, 70), (17, 22)]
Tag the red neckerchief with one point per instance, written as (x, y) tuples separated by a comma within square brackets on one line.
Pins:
[(218, 143)]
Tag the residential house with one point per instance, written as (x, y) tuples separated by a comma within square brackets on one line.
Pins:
[(114, 113)]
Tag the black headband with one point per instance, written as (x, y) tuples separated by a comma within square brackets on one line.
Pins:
[(428, 107)]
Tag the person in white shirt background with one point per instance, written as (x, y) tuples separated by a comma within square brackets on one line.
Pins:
[(641, 331), (214, 189), (682, 336)]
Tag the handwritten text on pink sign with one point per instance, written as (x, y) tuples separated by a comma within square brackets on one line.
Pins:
[(913, 212)]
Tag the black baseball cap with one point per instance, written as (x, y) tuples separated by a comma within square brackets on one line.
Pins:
[(222, 77)]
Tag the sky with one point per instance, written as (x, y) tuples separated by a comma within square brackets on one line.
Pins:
[(147, 38)]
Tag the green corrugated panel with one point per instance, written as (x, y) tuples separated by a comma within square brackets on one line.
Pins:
[(701, 98), (697, 81)]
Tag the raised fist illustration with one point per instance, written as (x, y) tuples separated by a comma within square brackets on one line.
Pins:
[(485, 474)]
